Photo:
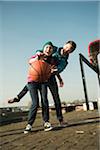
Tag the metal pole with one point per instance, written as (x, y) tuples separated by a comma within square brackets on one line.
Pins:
[(84, 82), (99, 78), (98, 68), (88, 63)]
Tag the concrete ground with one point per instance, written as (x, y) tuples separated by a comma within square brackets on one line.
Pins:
[(82, 133)]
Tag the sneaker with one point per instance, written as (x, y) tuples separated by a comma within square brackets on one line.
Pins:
[(15, 99), (47, 126), (63, 124), (28, 129)]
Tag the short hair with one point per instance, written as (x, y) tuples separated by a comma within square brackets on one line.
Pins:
[(73, 45)]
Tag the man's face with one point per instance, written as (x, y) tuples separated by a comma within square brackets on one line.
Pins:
[(48, 49), (67, 48)]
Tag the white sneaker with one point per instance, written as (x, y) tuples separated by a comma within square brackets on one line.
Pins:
[(47, 126), (28, 129)]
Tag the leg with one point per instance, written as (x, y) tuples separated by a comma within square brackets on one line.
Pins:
[(44, 102), (45, 107), (52, 84), (19, 96), (33, 89), (23, 92)]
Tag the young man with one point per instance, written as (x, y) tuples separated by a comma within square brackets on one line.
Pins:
[(61, 54)]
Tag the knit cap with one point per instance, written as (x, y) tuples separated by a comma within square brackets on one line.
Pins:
[(48, 43)]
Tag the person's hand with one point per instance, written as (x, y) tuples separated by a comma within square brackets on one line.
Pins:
[(41, 56), (53, 69), (61, 83)]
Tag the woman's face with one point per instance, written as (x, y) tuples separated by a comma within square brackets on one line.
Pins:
[(48, 49)]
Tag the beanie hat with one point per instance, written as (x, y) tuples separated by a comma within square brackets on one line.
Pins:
[(48, 43)]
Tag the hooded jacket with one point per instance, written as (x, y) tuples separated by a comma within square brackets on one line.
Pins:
[(61, 60)]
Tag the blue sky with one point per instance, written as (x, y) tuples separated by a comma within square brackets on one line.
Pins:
[(26, 26)]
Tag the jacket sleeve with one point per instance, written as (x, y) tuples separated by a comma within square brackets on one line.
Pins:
[(33, 58), (62, 65)]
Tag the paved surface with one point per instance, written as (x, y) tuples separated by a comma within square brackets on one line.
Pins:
[(82, 133)]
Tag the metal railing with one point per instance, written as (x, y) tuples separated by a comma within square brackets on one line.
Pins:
[(96, 70)]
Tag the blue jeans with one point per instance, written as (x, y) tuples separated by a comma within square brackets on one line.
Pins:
[(33, 88), (23, 92), (44, 102), (53, 86)]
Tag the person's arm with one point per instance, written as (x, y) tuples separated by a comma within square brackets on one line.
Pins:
[(37, 56), (33, 58), (62, 65), (61, 83)]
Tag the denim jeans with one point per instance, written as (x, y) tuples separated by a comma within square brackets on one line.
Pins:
[(53, 86), (33, 88), (44, 102), (23, 92)]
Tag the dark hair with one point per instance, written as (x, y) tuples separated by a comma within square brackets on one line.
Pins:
[(73, 45)]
